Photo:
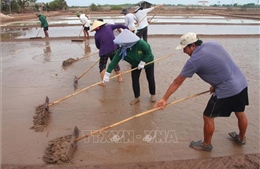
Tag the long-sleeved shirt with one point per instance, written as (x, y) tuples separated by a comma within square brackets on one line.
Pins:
[(141, 51), (141, 16), (130, 20), (43, 20), (104, 38), (84, 20)]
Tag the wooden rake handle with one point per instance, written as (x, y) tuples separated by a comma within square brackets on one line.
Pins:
[(84, 89), (38, 32), (155, 13), (138, 115), (137, 67), (137, 24), (88, 55), (80, 31), (88, 70)]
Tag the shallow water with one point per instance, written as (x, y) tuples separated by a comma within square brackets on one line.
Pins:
[(32, 70), (161, 25)]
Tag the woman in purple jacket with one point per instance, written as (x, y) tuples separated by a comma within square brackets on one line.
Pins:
[(104, 37)]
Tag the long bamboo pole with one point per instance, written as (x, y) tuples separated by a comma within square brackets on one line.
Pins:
[(84, 89), (138, 115)]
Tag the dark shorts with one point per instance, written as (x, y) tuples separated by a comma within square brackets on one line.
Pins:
[(103, 61), (224, 107), (86, 28), (45, 28)]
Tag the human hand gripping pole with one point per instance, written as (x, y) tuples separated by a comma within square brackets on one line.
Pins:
[(141, 65), (86, 88), (75, 135), (46, 105), (137, 67)]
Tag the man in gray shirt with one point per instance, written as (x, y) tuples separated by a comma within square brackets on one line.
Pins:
[(211, 62)]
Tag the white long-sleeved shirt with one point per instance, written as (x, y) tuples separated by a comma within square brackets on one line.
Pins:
[(141, 16), (130, 20), (84, 20)]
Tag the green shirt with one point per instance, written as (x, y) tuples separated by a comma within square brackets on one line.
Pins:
[(141, 51), (43, 20)]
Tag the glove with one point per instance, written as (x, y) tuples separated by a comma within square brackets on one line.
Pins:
[(106, 77), (141, 65)]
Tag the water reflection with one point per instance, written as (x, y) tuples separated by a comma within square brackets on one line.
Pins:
[(47, 51), (87, 47), (12, 33)]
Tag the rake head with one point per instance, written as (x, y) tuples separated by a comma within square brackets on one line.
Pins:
[(73, 142), (75, 84)]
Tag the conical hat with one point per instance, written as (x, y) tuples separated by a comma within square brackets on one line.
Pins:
[(126, 37), (97, 24)]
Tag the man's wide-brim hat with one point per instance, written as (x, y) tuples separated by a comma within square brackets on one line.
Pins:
[(124, 11), (97, 24)]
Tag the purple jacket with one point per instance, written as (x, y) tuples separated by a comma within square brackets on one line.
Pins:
[(104, 38)]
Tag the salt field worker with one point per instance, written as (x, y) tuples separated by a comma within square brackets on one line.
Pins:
[(137, 52), (104, 37), (130, 20), (142, 23), (44, 23), (84, 19), (212, 63)]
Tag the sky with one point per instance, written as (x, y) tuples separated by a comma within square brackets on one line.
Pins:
[(174, 2)]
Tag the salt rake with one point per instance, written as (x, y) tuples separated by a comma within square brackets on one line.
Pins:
[(78, 40), (41, 110), (76, 79), (69, 61), (37, 37), (150, 20), (51, 155)]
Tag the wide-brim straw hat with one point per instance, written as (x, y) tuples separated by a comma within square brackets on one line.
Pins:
[(124, 11), (97, 24), (136, 8)]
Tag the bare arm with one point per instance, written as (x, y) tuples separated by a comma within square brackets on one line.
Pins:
[(157, 6), (172, 88)]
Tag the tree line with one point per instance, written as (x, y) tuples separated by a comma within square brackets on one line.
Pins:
[(21, 6)]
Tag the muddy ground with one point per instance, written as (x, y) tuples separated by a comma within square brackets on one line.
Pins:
[(32, 70)]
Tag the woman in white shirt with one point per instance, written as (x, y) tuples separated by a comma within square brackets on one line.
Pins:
[(142, 23)]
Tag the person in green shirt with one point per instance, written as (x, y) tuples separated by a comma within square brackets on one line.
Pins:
[(137, 52), (44, 23)]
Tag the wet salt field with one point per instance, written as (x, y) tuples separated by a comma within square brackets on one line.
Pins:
[(69, 26), (32, 70)]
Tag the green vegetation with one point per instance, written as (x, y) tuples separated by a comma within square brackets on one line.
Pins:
[(57, 5), (20, 6)]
